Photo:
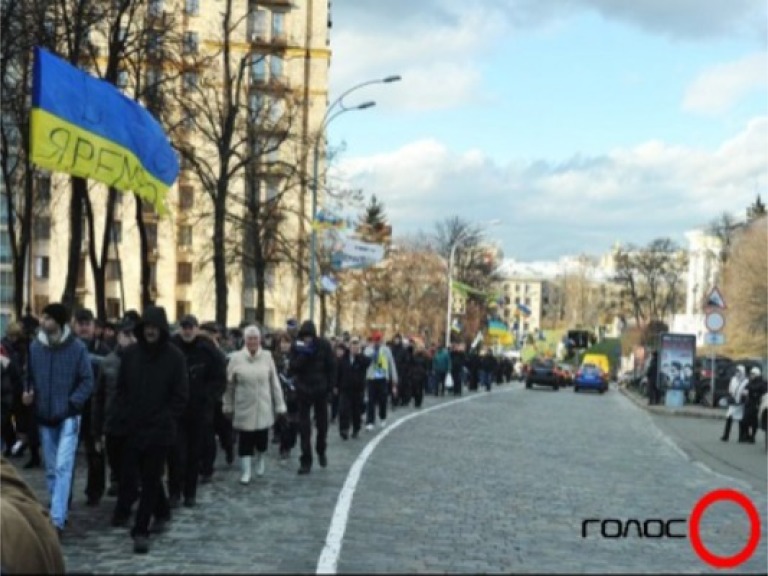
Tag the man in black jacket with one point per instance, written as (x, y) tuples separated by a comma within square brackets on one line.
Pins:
[(313, 367), (152, 391), (207, 379), (351, 387)]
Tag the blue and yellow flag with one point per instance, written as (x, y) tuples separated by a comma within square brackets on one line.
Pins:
[(84, 126), (497, 328)]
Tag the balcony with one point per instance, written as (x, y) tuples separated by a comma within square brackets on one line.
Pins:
[(276, 3)]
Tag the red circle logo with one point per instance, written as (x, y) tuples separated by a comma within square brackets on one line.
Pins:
[(725, 494)]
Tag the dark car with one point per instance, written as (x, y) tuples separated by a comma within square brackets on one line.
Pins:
[(725, 368), (543, 372)]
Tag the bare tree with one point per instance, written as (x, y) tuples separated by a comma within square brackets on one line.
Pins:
[(724, 228)]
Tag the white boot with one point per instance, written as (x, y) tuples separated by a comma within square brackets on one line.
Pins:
[(245, 467), (260, 465)]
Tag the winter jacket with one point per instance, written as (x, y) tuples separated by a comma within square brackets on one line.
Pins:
[(152, 387), (10, 382), (206, 375), (29, 544), (738, 391), (351, 372), (313, 367), (254, 395), (61, 377), (382, 364), (442, 361), (108, 418), (419, 367)]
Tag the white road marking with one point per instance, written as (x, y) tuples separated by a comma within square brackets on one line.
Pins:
[(329, 557)]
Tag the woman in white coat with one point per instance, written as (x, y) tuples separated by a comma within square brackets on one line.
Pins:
[(253, 399), (737, 389)]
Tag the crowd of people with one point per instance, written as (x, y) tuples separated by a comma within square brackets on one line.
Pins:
[(744, 395), (151, 405)]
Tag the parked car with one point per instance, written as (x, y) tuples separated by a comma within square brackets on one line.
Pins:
[(542, 372), (590, 377)]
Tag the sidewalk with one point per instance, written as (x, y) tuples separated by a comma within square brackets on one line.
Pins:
[(688, 411)]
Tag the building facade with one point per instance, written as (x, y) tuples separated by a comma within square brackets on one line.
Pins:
[(287, 44)]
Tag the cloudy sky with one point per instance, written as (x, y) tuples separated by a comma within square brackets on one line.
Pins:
[(578, 123)]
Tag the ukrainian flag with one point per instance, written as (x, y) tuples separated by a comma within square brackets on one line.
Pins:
[(497, 328), (84, 126)]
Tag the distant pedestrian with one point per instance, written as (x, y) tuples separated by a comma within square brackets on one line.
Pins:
[(152, 391), (350, 387), (418, 372), (289, 425), (441, 366), (380, 378), (755, 389), (652, 375), (253, 400), (59, 384), (313, 368), (737, 396)]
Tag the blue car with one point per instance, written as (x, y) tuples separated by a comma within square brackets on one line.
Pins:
[(590, 377)]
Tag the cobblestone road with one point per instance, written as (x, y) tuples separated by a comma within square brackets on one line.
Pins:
[(500, 483)]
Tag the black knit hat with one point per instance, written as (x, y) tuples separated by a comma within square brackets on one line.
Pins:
[(58, 313)]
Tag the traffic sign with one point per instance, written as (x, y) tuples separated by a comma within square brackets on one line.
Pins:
[(714, 339), (714, 321), (715, 299)]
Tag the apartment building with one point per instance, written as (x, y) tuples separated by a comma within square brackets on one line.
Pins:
[(289, 42)]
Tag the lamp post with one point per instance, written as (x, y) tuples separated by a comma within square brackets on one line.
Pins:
[(329, 116), (462, 237)]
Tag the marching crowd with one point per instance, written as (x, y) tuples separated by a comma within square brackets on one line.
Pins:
[(152, 406)]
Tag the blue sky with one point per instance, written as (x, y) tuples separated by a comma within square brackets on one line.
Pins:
[(647, 116)]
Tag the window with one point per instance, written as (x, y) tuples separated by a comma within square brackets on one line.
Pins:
[(42, 267), (186, 197), (249, 315), (5, 248), (113, 308), (151, 229), (275, 67), (258, 69), (113, 270), (117, 231), (278, 25), (517, 287), (527, 301), (249, 278), (153, 276), (122, 34), (190, 80), (517, 300), (258, 22), (272, 190), (183, 307), (269, 276), (155, 8), (255, 105), (185, 236), (42, 228), (154, 42), (122, 79), (276, 110), (192, 7), (184, 273), (6, 287), (273, 147), (44, 189), (191, 42), (153, 81), (81, 272)]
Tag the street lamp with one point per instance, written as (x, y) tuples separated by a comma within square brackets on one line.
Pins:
[(462, 237), (329, 116)]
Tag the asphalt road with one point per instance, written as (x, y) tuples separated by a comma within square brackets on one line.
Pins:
[(497, 482)]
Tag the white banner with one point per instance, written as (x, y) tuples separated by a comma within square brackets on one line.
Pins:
[(350, 253)]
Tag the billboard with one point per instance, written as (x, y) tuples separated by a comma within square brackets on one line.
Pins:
[(677, 353)]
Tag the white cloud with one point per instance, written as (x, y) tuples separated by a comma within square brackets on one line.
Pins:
[(582, 204), (718, 88)]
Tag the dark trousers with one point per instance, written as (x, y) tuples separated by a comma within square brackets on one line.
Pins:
[(750, 421), (440, 383), (289, 426), (95, 483), (143, 465), (742, 429), (349, 402), (334, 402), (184, 458), (222, 428), (417, 388), (115, 446), (378, 394), (457, 375), (316, 400), (251, 441), (8, 432)]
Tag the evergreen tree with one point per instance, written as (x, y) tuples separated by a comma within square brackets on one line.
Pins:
[(374, 215), (756, 210)]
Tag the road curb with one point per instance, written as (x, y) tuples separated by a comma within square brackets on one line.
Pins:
[(664, 411)]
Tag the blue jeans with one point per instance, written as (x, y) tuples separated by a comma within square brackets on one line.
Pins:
[(59, 450), (485, 379)]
